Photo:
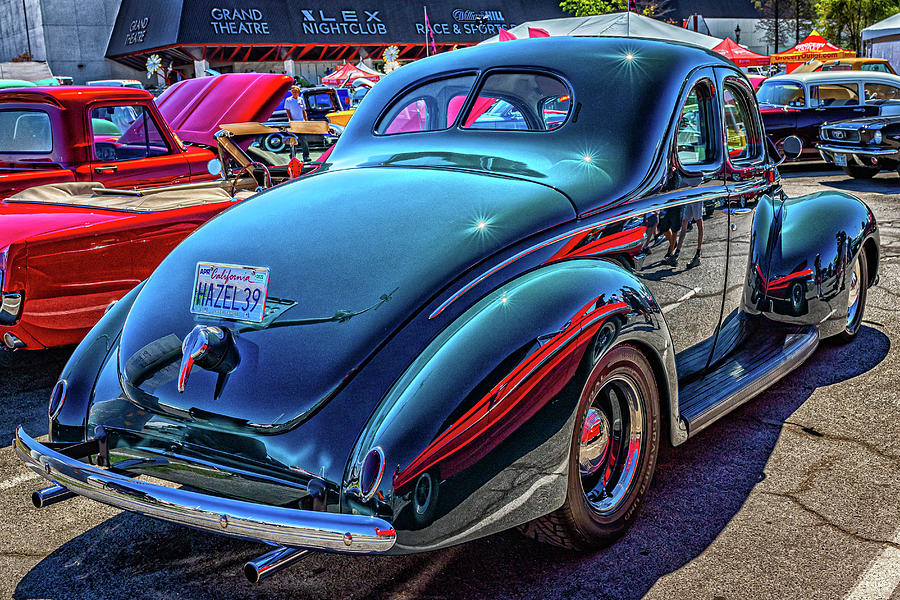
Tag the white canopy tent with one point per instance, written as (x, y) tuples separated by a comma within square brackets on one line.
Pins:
[(627, 24), (882, 40)]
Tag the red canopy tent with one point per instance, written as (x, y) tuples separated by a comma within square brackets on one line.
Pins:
[(740, 55), (346, 73), (813, 47)]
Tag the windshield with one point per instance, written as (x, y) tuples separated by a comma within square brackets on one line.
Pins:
[(781, 93), (25, 131)]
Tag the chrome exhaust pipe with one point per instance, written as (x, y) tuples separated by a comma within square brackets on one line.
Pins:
[(50, 495), (272, 562)]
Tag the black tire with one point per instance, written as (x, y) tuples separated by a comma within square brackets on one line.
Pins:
[(860, 278), (857, 172), (581, 524)]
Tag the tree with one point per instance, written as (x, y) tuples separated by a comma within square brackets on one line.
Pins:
[(842, 21), (785, 22), (587, 8)]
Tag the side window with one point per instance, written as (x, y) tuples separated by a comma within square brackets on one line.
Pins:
[(743, 138), (878, 67), (694, 137), (125, 132), (520, 101), (881, 91), (834, 94), (429, 107)]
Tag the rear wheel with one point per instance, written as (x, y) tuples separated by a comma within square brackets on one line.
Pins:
[(857, 290), (857, 172), (613, 454)]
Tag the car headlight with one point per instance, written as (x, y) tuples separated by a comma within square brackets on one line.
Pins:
[(876, 137)]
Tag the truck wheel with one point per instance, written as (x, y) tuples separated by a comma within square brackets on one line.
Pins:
[(613, 454), (858, 286), (857, 172)]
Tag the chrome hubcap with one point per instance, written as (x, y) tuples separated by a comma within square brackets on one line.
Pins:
[(594, 442), (610, 447), (853, 294)]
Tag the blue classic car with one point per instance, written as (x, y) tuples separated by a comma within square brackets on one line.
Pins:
[(501, 332)]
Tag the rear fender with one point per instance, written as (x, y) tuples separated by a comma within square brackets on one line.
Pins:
[(81, 371), (799, 266), (476, 432)]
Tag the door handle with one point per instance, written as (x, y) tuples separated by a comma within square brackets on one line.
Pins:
[(859, 110), (108, 169)]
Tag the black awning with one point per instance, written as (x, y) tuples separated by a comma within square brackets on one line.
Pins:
[(169, 25)]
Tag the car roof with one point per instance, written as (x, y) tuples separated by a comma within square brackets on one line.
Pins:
[(842, 76), (72, 94), (657, 70), (856, 60)]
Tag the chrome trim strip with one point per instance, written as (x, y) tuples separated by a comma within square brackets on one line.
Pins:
[(624, 216), (855, 150), (334, 532)]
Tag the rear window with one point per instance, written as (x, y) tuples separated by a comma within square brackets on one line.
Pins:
[(429, 107), (520, 101), (25, 131)]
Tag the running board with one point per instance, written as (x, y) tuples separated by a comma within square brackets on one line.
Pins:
[(745, 374)]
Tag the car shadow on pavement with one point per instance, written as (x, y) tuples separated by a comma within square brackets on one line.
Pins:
[(698, 488), (22, 383), (879, 185)]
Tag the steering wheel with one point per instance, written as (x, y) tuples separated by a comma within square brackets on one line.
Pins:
[(248, 168)]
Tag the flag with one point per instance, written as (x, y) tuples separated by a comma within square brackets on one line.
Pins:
[(534, 32), (430, 33), (506, 36)]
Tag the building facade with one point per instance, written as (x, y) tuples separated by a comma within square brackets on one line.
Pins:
[(112, 39), (71, 35)]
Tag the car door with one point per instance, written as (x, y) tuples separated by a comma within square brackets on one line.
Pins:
[(689, 287), (129, 149), (830, 101), (749, 181)]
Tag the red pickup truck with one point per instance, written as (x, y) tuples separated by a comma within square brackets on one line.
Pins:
[(121, 137)]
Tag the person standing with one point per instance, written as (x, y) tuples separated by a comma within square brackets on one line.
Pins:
[(692, 212), (296, 111)]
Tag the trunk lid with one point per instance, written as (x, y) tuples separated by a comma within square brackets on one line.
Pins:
[(194, 108), (351, 256)]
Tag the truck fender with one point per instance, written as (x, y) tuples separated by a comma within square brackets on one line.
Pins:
[(68, 422)]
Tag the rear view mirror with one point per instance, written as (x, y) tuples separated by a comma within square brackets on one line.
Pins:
[(792, 146)]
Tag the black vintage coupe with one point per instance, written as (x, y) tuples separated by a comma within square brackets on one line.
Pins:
[(524, 268)]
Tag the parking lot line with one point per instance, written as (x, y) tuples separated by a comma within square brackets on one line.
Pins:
[(10, 483), (881, 578)]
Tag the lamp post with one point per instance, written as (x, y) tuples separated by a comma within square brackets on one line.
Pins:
[(737, 34)]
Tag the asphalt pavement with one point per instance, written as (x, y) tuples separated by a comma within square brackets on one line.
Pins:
[(794, 495)]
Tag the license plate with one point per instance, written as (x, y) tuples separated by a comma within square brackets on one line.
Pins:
[(840, 160), (230, 292)]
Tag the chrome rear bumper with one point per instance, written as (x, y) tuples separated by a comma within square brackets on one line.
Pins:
[(291, 527)]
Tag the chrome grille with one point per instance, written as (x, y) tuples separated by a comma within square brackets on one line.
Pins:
[(841, 135)]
